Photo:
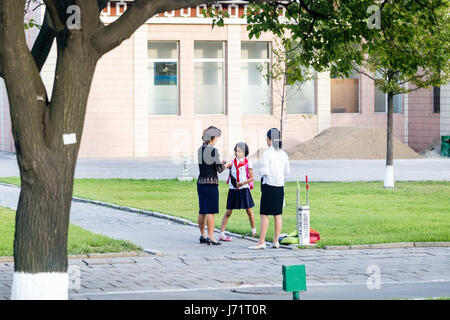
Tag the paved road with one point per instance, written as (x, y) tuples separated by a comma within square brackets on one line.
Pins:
[(317, 170), (189, 270)]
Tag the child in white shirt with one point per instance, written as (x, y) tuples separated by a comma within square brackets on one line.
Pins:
[(240, 182)]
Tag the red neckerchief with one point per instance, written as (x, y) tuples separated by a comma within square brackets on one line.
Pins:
[(238, 166)]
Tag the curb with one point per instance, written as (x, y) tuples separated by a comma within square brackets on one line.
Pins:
[(390, 245), (108, 255), (168, 217), (139, 211), (236, 235)]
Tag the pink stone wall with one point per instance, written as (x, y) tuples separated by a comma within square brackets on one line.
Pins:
[(109, 122), (367, 117), (424, 124), (6, 139)]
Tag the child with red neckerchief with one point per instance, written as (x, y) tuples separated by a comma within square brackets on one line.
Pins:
[(240, 183)]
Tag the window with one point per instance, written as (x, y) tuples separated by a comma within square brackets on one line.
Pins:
[(209, 77), (345, 94), (436, 99), (255, 87), (381, 101), (300, 98), (163, 77)]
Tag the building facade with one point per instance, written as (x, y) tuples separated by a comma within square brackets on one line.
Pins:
[(155, 94)]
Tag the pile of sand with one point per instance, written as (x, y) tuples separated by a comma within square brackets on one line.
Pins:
[(433, 150), (350, 143)]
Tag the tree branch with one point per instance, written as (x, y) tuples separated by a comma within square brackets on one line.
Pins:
[(52, 12), (21, 75), (43, 43), (312, 12), (111, 36)]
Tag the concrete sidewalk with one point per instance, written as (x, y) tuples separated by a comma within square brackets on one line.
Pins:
[(190, 270), (317, 170)]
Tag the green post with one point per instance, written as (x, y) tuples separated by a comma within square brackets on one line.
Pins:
[(294, 280)]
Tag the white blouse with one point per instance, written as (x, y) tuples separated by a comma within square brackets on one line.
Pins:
[(242, 173), (274, 167)]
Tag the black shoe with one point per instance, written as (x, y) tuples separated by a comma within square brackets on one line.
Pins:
[(209, 242), (202, 239)]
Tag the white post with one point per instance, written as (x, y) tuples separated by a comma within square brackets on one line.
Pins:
[(303, 230), (185, 174)]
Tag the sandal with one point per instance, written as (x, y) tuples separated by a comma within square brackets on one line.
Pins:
[(202, 239), (209, 242), (258, 247), (225, 238)]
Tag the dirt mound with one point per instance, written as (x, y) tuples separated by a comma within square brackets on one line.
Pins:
[(350, 143), (433, 150)]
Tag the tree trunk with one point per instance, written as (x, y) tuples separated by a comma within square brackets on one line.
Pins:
[(40, 268), (47, 175), (389, 175), (46, 163)]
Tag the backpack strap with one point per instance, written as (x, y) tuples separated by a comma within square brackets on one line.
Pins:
[(251, 184)]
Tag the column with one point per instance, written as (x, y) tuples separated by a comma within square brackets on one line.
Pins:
[(140, 93), (323, 101), (233, 61), (445, 110), (2, 118)]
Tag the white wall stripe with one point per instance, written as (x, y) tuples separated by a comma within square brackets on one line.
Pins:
[(233, 85), (445, 110), (405, 112), (140, 93), (323, 101), (2, 120)]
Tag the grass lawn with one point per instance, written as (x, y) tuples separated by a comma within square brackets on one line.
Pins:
[(343, 213), (81, 241)]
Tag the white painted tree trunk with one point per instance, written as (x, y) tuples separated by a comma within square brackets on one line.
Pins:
[(40, 286), (389, 177)]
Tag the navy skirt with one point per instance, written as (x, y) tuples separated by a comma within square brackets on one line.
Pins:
[(272, 199), (239, 199), (208, 198)]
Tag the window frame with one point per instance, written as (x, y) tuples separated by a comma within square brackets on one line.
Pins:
[(270, 81), (436, 100), (386, 104), (177, 60), (358, 99), (224, 68), (314, 81)]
